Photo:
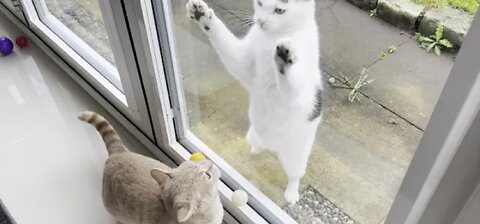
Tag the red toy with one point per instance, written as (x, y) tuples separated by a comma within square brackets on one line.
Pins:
[(21, 42)]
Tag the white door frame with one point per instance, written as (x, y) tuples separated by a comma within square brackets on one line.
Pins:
[(455, 111)]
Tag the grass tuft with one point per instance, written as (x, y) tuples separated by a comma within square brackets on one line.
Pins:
[(470, 6)]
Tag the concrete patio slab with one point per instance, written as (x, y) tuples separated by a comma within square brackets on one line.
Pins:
[(350, 39), (410, 81)]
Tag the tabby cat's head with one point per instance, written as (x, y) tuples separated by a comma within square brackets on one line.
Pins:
[(190, 188)]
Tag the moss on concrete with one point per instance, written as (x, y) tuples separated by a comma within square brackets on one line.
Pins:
[(470, 6)]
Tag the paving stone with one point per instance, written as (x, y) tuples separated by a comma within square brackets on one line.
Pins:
[(410, 81), (350, 39)]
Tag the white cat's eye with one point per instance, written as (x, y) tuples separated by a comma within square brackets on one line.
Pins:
[(208, 175), (279, 11), (260, 3)]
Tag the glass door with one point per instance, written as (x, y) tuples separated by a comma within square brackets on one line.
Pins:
[(368, 135), (209, 107), (93, 36)]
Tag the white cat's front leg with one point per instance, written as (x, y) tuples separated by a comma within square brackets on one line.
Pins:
[(291, 74), (229, 48), (285, 57), (199, 11)]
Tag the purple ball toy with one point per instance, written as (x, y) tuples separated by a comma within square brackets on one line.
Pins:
[(6, 46)]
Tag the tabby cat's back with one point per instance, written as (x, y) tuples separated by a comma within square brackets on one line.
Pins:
[(140, 190)]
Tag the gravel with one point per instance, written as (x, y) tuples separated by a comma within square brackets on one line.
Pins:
[(314, 208)]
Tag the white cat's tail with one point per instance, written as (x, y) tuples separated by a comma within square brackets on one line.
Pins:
[(112, 141)]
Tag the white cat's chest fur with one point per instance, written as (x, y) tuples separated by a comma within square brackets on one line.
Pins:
[(276, 110)]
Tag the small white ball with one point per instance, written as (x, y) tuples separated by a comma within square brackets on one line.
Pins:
[(239, 198)]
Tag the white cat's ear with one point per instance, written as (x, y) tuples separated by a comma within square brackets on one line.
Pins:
[(160, 175), (184, 212)]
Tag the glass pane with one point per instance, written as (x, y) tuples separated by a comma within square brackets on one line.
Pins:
[(84, 18), (80, 24), (379, 90)]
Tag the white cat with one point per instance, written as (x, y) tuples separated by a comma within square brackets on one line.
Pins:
[(277, 62)]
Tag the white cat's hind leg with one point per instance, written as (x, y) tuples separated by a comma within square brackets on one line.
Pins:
[(291, 193), (294, 163), (254, 141)]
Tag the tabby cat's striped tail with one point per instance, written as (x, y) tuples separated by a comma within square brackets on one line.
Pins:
[(112, 141)]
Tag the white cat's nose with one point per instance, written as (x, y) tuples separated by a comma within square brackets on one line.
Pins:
[(261, 22)]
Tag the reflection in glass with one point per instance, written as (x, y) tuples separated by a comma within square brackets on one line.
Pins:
[(84, 18)]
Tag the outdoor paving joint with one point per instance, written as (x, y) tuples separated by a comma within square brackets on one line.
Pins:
[(378, 103)]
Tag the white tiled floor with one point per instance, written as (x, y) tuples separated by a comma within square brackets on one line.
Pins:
[(50, 163)]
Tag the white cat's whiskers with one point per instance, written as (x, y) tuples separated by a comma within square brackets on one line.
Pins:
[(241, 19), (241, 24), (238, 22)]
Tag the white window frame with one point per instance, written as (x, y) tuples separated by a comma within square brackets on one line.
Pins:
[(80, 46), (130, 99)]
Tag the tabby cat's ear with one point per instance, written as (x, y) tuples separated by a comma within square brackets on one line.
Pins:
[(160, 175), (184, 212)]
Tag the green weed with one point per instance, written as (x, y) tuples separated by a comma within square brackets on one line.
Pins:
[(435, 41), (354, 84)]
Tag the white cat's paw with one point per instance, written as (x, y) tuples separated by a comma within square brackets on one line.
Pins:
[(284, 56), (256, 150), (199, 11), (291, 196)]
